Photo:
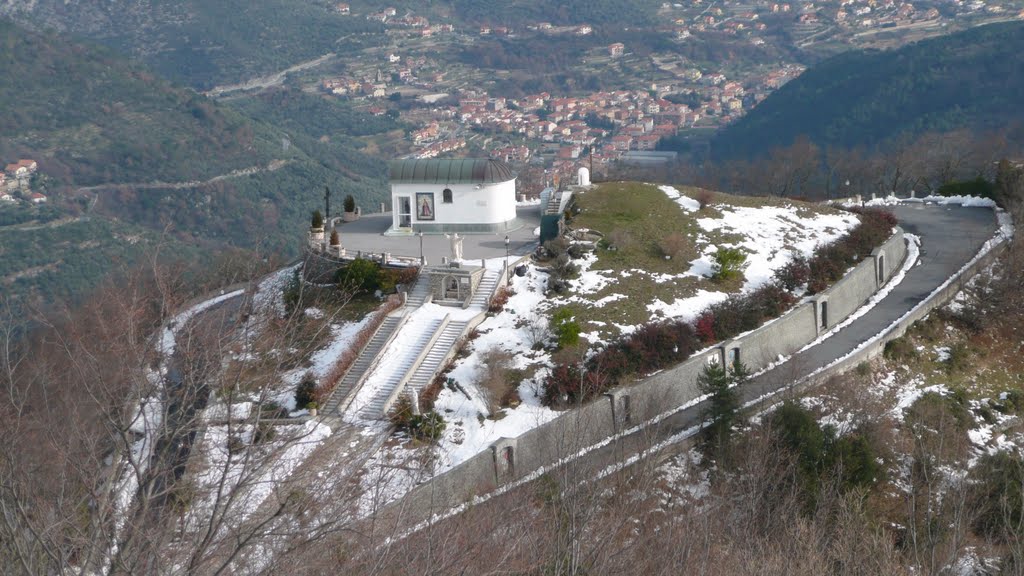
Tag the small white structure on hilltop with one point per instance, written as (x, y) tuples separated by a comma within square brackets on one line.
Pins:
[(469, 196), (583, 177)]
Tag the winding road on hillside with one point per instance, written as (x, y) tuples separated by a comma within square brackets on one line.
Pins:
[(950, 235)]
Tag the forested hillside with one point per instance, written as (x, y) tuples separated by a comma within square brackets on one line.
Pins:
[(199, 42), (90, 117), (972, 79), (116, 142), (594, 12)]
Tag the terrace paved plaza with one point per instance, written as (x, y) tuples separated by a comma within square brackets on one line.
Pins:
[(367, 235)]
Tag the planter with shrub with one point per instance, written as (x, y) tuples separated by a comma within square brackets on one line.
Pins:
[(350, 213)]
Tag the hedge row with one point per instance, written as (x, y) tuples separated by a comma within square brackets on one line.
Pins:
[(652, 347), (657, 345), (831, 261)]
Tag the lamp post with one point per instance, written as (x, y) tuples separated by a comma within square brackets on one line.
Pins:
[(422, 262), (508, 274)]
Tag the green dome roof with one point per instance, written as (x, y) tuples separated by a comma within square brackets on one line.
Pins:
[(451, 171)]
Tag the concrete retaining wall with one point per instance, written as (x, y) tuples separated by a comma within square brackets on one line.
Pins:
[(781, 337), (939, 298), (848, 294), (629, 406)]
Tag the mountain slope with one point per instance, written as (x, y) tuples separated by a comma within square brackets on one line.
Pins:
[(115, 142), (93, 118), (971, 79), (201, 42)]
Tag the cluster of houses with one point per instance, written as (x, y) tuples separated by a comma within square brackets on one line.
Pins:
[(14, 182), (611, 123)]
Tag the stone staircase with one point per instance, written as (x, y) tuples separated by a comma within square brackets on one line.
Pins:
[(482, 296), (433, 361), (362, 363), (553, 203), (419, 293), (396, 370)]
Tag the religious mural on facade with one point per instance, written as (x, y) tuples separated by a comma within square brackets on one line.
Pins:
[(424, 205)]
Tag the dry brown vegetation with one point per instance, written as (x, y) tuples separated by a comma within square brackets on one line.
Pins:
[(70, 382)]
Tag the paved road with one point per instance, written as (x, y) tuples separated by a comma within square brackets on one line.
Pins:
[(187, 394), (950, 237)]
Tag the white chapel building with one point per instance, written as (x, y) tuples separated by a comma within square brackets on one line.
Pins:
[(452, 195)]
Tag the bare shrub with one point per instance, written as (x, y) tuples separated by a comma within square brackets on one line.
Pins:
[(672, 244), (494, 382), (499, 300), (621, 239), (704, 197), (538, 329)]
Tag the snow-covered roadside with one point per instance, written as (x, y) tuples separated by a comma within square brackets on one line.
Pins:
[(911, 260), (672, 440), (1003, 234), (166, 343), (147, 421)]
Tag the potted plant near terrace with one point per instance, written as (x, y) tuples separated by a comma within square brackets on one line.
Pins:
[(316, 231), (350, 212)]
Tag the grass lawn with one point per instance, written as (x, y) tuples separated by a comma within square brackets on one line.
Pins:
[(637, 220)]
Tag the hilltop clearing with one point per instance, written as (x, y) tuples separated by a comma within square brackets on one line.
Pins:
[(496, 388), (655, 257)]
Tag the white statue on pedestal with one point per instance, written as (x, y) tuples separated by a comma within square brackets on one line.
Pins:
[(456, 243)]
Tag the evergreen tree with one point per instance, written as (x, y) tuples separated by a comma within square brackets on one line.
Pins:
[(724, 404)]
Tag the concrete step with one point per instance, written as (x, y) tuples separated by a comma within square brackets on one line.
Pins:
[(362, 362), (486, 289), (396, 369), (432, 362), (418, 294)]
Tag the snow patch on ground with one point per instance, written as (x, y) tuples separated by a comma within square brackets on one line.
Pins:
[(685, 479), (513, 331), (249, 478), (166, 342), (773, 235), (685, 202), (590, 281), (686, 308)]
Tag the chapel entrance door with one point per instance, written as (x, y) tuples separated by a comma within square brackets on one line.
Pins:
[(404, 212)]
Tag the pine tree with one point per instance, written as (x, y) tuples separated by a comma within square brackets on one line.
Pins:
[(724, 403)]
